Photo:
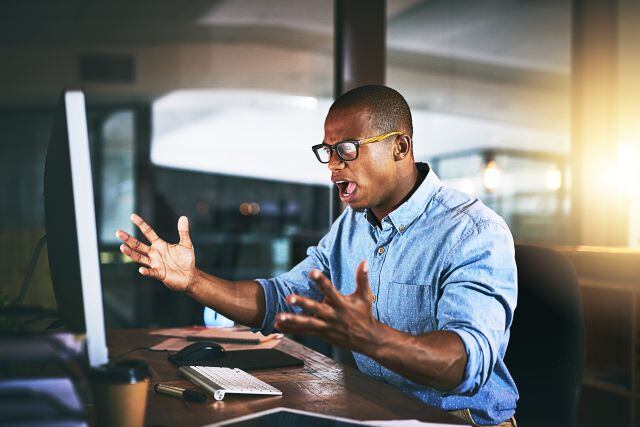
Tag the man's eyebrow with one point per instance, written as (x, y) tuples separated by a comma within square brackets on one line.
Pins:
[(344, 140)]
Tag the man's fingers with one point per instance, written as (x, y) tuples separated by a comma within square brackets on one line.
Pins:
[(299, 323), (132, 242), (183, 230), (150, 272), (135, 256), (310, 306), (145, 228), (331, 294), (363, 289)]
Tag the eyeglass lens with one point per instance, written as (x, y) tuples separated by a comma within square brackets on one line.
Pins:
[(347, 150)]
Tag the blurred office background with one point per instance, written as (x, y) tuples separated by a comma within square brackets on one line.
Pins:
[(208, 109)]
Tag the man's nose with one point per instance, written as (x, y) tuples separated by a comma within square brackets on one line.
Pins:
[(335, 162)]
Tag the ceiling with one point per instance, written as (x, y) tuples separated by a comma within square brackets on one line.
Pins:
[(497, 60), (524, 35)]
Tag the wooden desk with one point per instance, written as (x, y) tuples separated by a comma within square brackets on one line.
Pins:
[(322, 386)]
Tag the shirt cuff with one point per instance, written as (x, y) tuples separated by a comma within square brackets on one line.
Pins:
[(470, 378), (266, 327)]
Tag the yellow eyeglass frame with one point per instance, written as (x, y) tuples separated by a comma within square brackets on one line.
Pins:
[(356, 143)]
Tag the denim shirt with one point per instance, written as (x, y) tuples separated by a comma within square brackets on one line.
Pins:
[(441, 261)]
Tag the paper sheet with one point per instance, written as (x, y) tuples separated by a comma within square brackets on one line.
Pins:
[(177, 332), (222, 335), (278, 416), (408, 423), (239, 334), (177, 344)]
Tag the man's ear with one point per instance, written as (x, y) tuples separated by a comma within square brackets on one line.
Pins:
[(402, 147)]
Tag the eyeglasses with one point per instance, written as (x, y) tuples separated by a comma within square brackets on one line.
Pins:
[(347, 150)]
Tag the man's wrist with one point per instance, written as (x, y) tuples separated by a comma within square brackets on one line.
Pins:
[(192, 287), (369, 344), (384, 340)]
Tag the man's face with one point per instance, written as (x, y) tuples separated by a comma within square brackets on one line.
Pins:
[(368, 181)]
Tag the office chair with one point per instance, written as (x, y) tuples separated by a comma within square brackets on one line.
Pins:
[(546, 351)]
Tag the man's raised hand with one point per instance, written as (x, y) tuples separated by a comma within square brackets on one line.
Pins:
[(173, 264), (344, 320)]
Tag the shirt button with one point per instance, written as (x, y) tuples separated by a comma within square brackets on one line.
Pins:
[(380, 250), (375, 298), (401, 228)]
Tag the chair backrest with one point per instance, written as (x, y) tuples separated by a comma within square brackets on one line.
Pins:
[(546, 350)]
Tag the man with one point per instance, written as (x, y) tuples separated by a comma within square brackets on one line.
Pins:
[(434, 292)]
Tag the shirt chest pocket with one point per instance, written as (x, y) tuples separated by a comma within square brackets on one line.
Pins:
[(406, 307)]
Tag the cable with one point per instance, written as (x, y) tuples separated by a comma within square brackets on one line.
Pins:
[(24, 287), (53, 325), (137, 349), (30, 269), (38, 318)]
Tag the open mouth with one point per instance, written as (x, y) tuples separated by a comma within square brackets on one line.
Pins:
[(346, 189)]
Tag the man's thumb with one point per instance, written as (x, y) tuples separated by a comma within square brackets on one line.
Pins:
[(183, 230)]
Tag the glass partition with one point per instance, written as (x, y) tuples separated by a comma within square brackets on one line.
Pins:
[(484, 78)]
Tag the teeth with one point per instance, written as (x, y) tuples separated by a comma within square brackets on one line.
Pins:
[(343, 184)]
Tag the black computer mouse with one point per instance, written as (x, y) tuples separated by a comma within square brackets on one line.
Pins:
[(200, 351)]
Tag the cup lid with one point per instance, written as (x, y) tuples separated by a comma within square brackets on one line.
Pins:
[(120, 371)]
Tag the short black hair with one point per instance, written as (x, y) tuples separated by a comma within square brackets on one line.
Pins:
[(389, 110)]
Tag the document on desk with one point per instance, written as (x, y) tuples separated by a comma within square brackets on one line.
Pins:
[(408, 423), (176, 332), (177, 344), (222, 335), (288, 416), (238, 334)]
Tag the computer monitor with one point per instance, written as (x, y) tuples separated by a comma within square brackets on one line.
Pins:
[(70, 222)]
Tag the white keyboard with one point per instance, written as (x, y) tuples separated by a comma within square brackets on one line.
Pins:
[(219, 381)]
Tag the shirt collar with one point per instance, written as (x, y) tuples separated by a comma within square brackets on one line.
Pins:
[(405, 214)]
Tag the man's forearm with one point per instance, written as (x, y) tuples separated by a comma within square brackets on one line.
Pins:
[(241, 301), (436, 359)]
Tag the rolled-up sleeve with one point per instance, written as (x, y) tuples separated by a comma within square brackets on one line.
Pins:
[(478, 298), (295, 281)]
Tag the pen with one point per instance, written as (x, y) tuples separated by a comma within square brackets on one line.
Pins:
[(191, 395)]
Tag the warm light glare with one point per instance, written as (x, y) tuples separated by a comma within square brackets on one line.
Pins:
[(628, 173), (252, 208), (553, 180), (491, 176), (202, 208), (467, 186)]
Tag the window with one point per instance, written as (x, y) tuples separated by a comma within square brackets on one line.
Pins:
[(488, 84), (113, 138), (231, 141)]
